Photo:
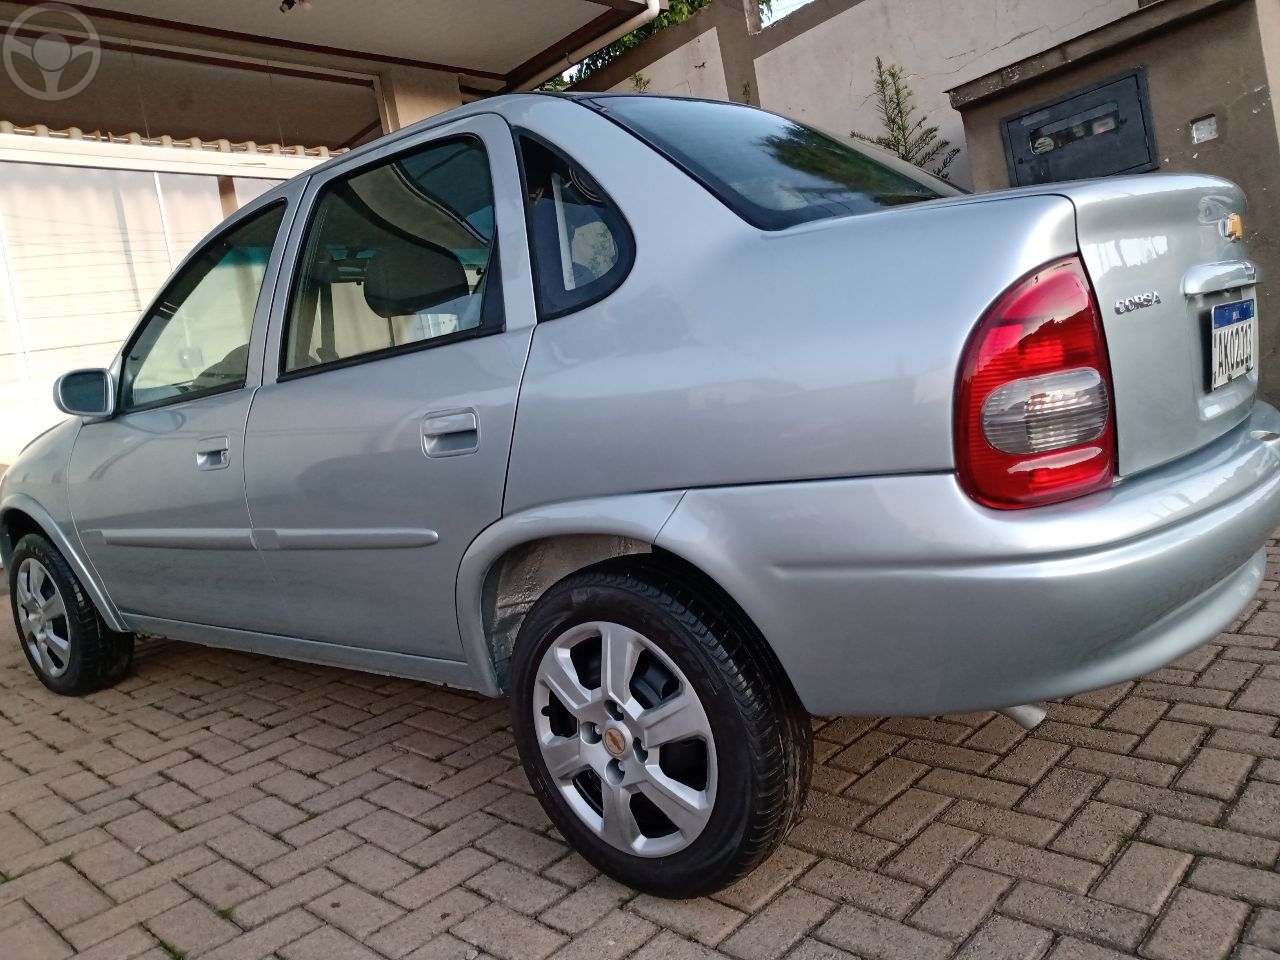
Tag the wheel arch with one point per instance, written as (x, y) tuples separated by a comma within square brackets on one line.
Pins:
[(512, 563), (20, 515)]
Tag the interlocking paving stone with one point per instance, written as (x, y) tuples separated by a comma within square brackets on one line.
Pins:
[(863, 888), (1241, 883), (932, 854), (1143, 877), (705, 920), (877, 938), (778, 927), (1003, 939), (1257, 810), (1097, 832), (509, 935), (221, 804), (1072, 913), (1214, 841), (191, 928), (760, 886), (962, 902), (1216, 773), (1032, 863), (1197, 925)]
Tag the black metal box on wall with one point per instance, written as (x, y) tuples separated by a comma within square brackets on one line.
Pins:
[(1096, 132)]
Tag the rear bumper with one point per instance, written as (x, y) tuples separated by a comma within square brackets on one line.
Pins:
[(900, 595)]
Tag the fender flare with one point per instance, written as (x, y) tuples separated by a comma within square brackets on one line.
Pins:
[(72, 552), (635, 516)]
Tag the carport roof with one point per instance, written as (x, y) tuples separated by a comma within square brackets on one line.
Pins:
[(492, 44)]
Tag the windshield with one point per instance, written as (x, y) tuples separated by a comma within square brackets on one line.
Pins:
[(773, 172)]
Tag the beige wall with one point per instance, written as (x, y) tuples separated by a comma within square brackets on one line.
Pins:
[(824, 76), (1225, 44), (695, 69), (818, 63), (409, 95)]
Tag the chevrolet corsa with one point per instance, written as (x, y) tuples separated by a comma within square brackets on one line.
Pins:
[(676, 422)]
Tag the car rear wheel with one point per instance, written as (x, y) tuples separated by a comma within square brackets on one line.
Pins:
[(654, 728), (68, 644)]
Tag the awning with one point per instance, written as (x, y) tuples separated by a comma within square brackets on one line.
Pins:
[(491, 45)]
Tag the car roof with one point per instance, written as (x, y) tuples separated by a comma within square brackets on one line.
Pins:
[(500, 104)]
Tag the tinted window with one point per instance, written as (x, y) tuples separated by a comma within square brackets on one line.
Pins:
[(582, 247), (772, 171), (397, 255), (195, 341)]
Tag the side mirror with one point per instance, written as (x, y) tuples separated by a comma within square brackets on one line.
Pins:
[(86, 393)]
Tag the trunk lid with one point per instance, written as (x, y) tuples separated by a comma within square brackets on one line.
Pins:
[(1158, 252)]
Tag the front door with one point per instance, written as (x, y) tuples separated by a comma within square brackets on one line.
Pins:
[(380, 450), (157, 491)]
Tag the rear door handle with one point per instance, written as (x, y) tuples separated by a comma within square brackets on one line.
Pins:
[(450, 433), (213, 453)]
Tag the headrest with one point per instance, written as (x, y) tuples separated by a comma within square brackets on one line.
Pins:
[(405, 278)]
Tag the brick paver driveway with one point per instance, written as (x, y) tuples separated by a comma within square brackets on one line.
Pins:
[(231, 806)]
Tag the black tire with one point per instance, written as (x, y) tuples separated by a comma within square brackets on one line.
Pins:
[(98, 656), (763, 737)]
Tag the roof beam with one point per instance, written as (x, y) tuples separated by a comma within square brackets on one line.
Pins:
[(631, 6)]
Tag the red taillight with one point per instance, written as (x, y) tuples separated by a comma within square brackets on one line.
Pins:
[(1034, 419)]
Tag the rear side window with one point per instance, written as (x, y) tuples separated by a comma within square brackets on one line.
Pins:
[(582, 247), (771, 171)]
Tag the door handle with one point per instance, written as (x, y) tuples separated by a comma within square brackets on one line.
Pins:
[(213, 453), (450, 433)]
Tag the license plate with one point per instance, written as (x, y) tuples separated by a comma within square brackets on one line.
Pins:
[(1233, 334)]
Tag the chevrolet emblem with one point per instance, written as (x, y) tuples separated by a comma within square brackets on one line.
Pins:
[(1232, 227)]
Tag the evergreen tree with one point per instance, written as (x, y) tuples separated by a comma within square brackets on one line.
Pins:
[(911, 138)]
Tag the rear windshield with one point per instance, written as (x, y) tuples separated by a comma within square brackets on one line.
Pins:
[(773, 172)]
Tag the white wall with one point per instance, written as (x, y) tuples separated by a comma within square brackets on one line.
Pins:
[(826, 75), (84, 249)]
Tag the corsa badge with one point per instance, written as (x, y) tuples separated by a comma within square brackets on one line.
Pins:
[(1139, 302)]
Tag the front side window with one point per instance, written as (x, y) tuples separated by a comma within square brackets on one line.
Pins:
[(397, 256), (195, 341), (771, 171), (581, 245)]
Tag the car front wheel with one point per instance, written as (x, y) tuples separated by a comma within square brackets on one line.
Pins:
[(68, 644), (655, 728)]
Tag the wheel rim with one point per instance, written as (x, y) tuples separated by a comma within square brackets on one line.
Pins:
[(42, 617), (625, 738)]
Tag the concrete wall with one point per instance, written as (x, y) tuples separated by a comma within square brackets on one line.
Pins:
[(1202, 57), (694, 69), (824, 76), (818, 63)]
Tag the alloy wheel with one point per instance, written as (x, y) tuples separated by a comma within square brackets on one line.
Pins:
[(42, 615), (626, 739)]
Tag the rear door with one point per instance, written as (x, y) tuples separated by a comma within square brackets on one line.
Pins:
[(157, 491), (377, 449)]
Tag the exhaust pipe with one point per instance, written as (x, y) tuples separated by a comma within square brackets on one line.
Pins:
[(1026, 715)]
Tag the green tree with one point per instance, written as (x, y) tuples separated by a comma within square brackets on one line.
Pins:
[(911, 138), (678, 11)]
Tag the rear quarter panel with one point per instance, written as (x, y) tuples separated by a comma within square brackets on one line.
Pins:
[(732, 355)]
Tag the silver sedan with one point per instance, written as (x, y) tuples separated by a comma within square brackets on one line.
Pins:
[(677, 422)]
